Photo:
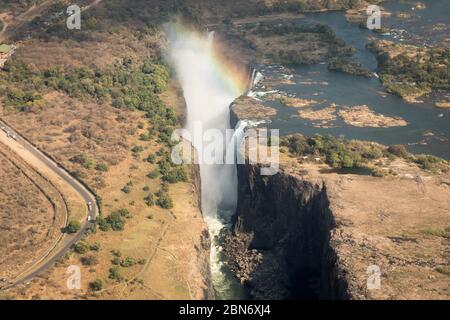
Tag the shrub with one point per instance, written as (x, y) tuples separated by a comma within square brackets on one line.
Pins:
[(115, 261), (124, 213), (380, 173), (444, 270), (116, 253), (432, 163), (81, 247), (142, 261), (177, 174), (96, 285), (116, 221), (103, 167), (73, 227), (89, 260), (153, 174), (146, 188), (78, 174), (79, 158), (151, 159), (137, 149), (149, 200), (103, 224), (144, 137), (114, 273), (89, 164), (92, 229), (95, 246), (398, 150), (164, 201), (128, 187), (128, 262), (164, 166)]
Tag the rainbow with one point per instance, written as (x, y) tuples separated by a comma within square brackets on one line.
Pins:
[(234, 75)]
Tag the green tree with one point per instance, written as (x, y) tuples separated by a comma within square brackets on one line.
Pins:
[(128, 262), (103, 224), (81, 247), (114, 273), (164, 201), (89, 260), (116, 221), (96, 285), (73, 227)]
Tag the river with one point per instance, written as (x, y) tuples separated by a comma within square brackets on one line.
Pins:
[(428, 129), (208, 95)]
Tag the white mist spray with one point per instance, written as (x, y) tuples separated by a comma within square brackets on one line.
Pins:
[(208, 99)]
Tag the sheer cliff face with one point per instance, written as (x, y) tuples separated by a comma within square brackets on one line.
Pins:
[(306, 234), (280, 243)]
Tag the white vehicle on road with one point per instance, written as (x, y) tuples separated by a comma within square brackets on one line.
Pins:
[(11, 135)]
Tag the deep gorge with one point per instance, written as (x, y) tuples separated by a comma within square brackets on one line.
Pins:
[(279, 245), (274, 231)]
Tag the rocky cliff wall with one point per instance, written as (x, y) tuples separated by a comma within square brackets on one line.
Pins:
[(280, 242)]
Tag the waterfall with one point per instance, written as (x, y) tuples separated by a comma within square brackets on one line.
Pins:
[(252, 80), (255, 78), (208, 96), (258, 78), (210, 37), (228, 174)]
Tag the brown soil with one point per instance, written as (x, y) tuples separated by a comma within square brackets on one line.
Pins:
[(174, 243), (292, 102), (362, 116), (399, 223), (32, 212), (249, 109), (322, 118)]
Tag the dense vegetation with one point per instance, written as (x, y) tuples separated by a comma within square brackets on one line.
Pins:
[(337, 153), (115, 221), (413, 71), (261, 7), (299, 44), (125, 85), (18, 5), (342, 153), (310, 36), (350, 67)]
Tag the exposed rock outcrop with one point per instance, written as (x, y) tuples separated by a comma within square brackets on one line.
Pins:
[(303, 233), (280, 242)]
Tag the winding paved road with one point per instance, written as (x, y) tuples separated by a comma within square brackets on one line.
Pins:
[(66, 241)]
